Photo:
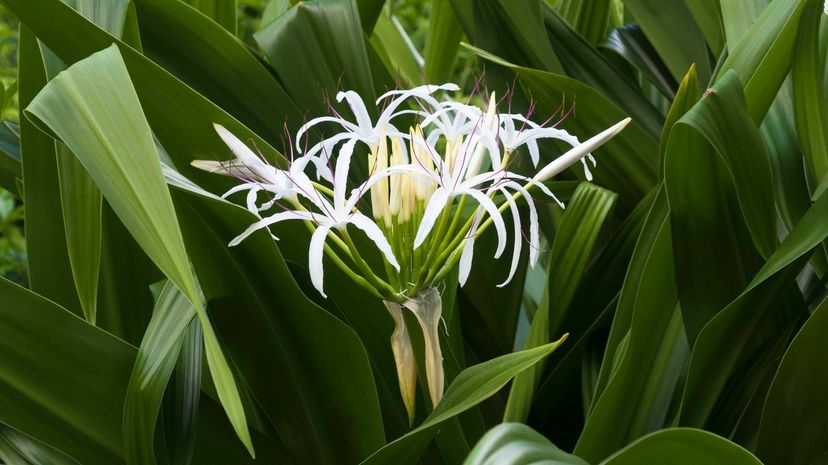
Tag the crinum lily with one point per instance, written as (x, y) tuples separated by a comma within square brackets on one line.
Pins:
[(418, 183)]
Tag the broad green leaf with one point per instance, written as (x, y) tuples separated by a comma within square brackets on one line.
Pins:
[(213, 62), (762, 57), (115, 146), (518, 444), (472, 386), (627, 163), (81, 200), (325, 52), (64, 381), (572, 248), (49, 270), (220, 11), (442, 42), (585, 63), (181, 428), (792, 430), (630, 43), (717, 139), (273, 332), (18, 449), (643, 373), (687, 96), (157, 357), (708, 16), (682, 446), (663, 21), (761, 318), (738, 16), (810, 96), (397, 51), (589, 18)]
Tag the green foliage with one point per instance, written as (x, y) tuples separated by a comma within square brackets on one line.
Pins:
[(688, 279)]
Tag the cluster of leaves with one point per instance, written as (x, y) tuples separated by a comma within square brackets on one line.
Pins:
[(690, 276)]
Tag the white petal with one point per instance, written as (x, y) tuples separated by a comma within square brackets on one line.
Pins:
[(323, 119), (497, 219), (435, 206), (375, 234), (358, 109), (243, 153), (518, 238), (466, 259), (343, 165), (273, 219), (534, 236), (315, 253)]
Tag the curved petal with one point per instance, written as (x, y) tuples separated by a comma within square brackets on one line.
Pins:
[(273, 219), (466, 259), (343, 165), (493, 212), (375, 234), (518, 239), (435, 205), (315, 253), (244, 155), (534, 235), (358, 109), (347, 125)]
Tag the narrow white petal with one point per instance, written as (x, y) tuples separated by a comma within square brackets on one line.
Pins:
[(534, 235), (264, 223), (518, 238), (357, 108), (375, 234), (497, 219), (435, 206), (343, 165), (466, 259), (316, 252), (322, 119)]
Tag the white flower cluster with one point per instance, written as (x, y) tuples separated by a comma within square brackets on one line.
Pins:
[(419, 181)]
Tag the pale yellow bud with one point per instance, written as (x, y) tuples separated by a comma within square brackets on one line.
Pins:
[(377, 161), (421, 157), (396, 179)]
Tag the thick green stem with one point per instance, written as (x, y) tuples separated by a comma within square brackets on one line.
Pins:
[(372, 278)]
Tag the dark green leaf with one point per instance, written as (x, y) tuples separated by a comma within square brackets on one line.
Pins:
[(682, 446), (517, 444)]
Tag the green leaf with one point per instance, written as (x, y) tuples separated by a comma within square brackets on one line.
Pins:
[(717, 137), (762, 57), (157, 357), (589, 18), (10, 166), (442, 42), (631, 43), (810, 94), (397, 51), (627, 163), (49, 270), (18, 449), (259, 309), (517, 444), (115, 146), (220, 11), (665, 20), (792, 430), (708, 16), (682, 446), (642, 373), (585, 63), (761, 318), (62, 379), (472, 386), (326, 52), (572, 248), (687, 96), (210, 60)]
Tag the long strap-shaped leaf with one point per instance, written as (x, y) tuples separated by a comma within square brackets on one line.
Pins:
[(157, 357), (94, 110)]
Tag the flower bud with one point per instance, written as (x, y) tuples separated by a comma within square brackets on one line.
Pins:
[(377, 161)]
